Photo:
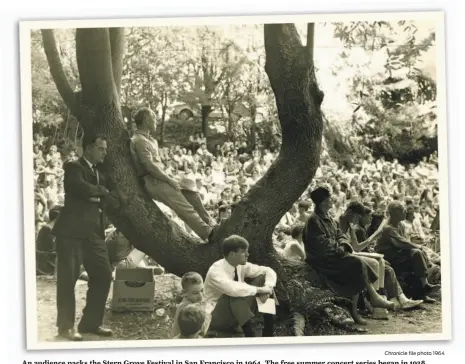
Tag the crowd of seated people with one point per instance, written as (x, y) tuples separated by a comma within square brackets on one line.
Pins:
[(379, 207), (223, 176)]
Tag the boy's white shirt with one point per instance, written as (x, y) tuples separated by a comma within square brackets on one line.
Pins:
[(220, 280)]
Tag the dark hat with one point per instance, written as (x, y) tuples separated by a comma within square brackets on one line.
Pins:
[(356, 207), (319, 194)]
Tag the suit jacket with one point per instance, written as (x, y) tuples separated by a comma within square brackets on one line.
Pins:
[(82, 215)]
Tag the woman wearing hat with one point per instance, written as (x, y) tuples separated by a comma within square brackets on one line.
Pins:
[(345, 274)]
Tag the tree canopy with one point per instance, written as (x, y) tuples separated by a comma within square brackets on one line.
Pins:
[(382, 74)]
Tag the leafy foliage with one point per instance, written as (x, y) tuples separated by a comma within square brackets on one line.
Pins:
[(51, 119), (389, 70), (380, 86), (153, 73)]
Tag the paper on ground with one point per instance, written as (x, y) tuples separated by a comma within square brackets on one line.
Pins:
[(269, 306)]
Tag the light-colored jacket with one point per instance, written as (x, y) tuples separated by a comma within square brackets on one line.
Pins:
[(144, 151)]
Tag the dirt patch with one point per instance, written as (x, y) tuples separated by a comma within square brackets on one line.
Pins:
[(157, 324)]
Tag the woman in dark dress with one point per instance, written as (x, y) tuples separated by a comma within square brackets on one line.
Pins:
[(345, 274)]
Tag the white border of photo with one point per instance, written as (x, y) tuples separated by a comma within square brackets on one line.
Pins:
[(27, 168)]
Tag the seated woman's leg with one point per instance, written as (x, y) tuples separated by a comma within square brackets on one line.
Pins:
[(382, 276), (354, 311), (374, 264), (377, 264), (391, 284), (375, 299)]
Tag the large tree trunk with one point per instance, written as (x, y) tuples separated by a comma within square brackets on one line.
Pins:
[(298, 100)]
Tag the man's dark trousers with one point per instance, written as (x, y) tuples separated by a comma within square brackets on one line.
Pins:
[(71, 253)]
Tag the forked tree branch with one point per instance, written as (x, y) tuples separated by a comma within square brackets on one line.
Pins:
[(298, 101), (57, 71)]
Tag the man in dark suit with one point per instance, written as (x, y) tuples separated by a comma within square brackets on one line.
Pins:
[(80, 239)]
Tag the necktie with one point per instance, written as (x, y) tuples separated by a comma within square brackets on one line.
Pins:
[(236, 277), (94, 168)]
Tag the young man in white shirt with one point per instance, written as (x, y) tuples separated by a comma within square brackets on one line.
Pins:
[(230, 299)]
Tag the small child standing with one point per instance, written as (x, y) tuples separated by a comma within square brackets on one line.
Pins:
[(191, 320), (192, 290)]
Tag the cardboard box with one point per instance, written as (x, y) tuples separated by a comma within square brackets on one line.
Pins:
[(133, 290)]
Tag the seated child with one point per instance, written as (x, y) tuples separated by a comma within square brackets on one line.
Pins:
[(294, 248), (191, 321), (303, 214), (192, 290)]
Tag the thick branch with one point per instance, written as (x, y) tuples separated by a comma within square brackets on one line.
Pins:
[(117, 53), (152, 232), (298, 100), (57, 71), (310, 40), (93, 52)]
